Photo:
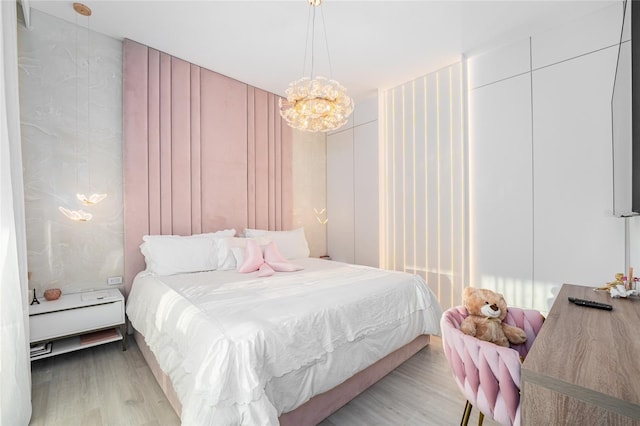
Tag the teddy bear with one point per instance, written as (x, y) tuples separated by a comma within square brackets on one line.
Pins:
[(486, 310)]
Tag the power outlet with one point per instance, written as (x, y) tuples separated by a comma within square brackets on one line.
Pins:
[(114, 280)]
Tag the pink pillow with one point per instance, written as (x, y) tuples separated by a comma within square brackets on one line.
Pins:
[(271, 262), (252, 258), (277, 261), (265, 270)]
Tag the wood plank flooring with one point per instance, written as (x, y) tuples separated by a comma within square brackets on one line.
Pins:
[(105, 386)]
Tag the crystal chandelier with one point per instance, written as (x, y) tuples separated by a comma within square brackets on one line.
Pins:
[(315, 104)]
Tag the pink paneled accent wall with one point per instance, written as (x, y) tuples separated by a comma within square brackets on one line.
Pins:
[(202, 152)]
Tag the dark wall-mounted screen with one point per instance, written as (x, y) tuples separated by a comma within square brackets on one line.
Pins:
[(635, 85), (626, 159)]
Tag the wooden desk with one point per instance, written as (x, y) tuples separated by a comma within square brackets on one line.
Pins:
[(584, 366)]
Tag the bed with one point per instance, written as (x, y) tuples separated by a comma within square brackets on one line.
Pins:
[(291, 348), (203, 153)]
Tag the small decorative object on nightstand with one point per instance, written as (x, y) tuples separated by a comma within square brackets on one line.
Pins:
[(52, 294), (76, 321), (35, 299)]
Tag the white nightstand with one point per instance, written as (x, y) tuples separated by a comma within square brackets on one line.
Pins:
[(76, 321)]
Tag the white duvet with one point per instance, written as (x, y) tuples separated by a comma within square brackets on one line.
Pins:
[(242, 350)]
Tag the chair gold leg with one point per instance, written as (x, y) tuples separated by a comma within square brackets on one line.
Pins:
[(480, 418), (466, 414)]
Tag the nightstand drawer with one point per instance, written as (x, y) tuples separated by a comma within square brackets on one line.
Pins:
[(73, 321)]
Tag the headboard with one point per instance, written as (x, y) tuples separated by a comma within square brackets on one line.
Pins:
[(201, 152)]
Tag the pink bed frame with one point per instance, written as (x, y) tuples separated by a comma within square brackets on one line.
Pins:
[(204, 152), (320, 406)]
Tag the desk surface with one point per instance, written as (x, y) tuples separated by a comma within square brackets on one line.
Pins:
[(590, 355)]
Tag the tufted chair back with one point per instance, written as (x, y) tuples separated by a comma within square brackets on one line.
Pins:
[(487, 374)]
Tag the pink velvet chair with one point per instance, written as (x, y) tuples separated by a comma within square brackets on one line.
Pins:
[(487, 374)]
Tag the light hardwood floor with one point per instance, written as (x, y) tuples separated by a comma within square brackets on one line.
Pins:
[(106, 386)]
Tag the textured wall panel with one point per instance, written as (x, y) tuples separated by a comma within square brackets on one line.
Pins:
[(196, 161), (166, 123), (286, 167), (153, 131), (135, 158), (261, 160), (203, 152), (181, 147), (71, 129), (251, 155), (224, 152)]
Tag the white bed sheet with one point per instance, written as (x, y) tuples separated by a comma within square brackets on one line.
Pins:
[(241, 349)]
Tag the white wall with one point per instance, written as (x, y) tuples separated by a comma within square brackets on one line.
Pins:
[(500, 185), (541, 180), (60, 159), (310, 188), (352, 188)]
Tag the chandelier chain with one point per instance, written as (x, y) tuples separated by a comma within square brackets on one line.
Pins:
[(306, 43), (326, 42), (313, 40), (75, 142), (89, 101)]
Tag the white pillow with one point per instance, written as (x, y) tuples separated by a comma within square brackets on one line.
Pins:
[(174, 254), (226, 261), (217, 234), (171, 256), (292, 244)]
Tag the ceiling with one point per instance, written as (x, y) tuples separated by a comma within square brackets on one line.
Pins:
[(373, 44)]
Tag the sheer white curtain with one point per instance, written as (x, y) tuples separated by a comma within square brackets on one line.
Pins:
[(15, 375)]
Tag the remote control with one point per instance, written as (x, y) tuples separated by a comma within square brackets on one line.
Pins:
[(590, 303)]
